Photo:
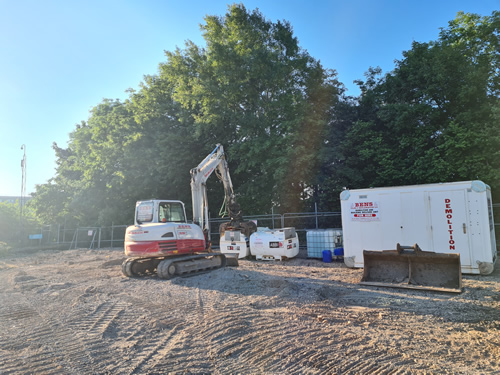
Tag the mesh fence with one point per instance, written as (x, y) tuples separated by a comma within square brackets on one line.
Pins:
[(59, 236), (496, 219), (317, 232)]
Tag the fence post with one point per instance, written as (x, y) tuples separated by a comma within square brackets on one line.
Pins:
[(272, 215), (112, 232), (316, 213), (99, 240)]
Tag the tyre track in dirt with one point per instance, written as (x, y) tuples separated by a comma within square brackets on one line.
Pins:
[(60, 315), (177, 323), (146, 331), (129, 335), (12, 348), (154, 351), (60, 339), (62, 350), (57, 347), (98, 327), (322, 339), (239, 338)]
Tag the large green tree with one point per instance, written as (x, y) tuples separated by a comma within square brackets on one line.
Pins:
[(90, 183), (291, 136), (434, 118), (251, 88)]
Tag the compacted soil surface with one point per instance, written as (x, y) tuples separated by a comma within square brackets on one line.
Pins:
[(73, 312)]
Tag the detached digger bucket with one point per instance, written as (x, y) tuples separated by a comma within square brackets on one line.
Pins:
[(411, 268)]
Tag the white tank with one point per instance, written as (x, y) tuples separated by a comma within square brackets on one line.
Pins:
[(274, 244), (234, 243)]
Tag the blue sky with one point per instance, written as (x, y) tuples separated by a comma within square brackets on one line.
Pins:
[(59, 58)]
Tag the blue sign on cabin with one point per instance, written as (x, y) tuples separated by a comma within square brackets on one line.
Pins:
[(35, 236)]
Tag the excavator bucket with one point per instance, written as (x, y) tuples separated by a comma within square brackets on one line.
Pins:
[(232, 261), (411, 268)]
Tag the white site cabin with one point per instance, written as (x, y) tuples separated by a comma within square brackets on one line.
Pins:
[(454, 217)]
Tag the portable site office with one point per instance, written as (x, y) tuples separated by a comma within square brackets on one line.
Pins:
[(454, 217)]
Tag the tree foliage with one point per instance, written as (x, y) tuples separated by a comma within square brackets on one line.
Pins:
[(434, 118), (292, 136), (256, 91), (251, 88), (14, 228)]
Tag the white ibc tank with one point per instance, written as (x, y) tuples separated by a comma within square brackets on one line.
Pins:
[(274, 244), (322, 239)]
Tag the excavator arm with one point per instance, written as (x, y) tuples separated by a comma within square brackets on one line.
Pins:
[(199, 176), (215, 161)]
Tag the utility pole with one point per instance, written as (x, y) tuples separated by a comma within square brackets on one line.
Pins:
[(23, 193)]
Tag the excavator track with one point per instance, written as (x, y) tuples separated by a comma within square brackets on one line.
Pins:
[(133, 267), (167, 268), (190, 265)]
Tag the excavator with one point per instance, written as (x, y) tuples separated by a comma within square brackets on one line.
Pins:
[(162, 241)]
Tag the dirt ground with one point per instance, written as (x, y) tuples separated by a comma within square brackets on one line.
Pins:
[(72, 312)]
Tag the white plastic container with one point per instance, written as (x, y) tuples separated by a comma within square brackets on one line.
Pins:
[(454, 217), (322, 239), (274, 244), (234, 243)]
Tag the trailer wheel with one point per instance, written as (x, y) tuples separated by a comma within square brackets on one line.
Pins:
[(166, 269)]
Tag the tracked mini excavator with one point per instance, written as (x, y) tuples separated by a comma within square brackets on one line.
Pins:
[(162, 241)]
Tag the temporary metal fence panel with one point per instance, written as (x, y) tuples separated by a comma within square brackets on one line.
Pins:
[(113, 236), (306, 221), (85, 237), (61, 237), (496, 218), (46, 235)]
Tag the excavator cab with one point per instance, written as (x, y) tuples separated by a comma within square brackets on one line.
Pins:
[(160, 211), (171, 212)]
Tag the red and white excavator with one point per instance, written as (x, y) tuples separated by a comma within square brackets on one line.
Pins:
[(162, 240)]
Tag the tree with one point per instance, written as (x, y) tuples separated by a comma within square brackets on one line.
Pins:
[(256, 91), (13, 231), (291, 135), (251, 88), (434, 118), (89, 187)]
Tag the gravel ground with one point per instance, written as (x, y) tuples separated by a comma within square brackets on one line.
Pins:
[(72, 312)]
